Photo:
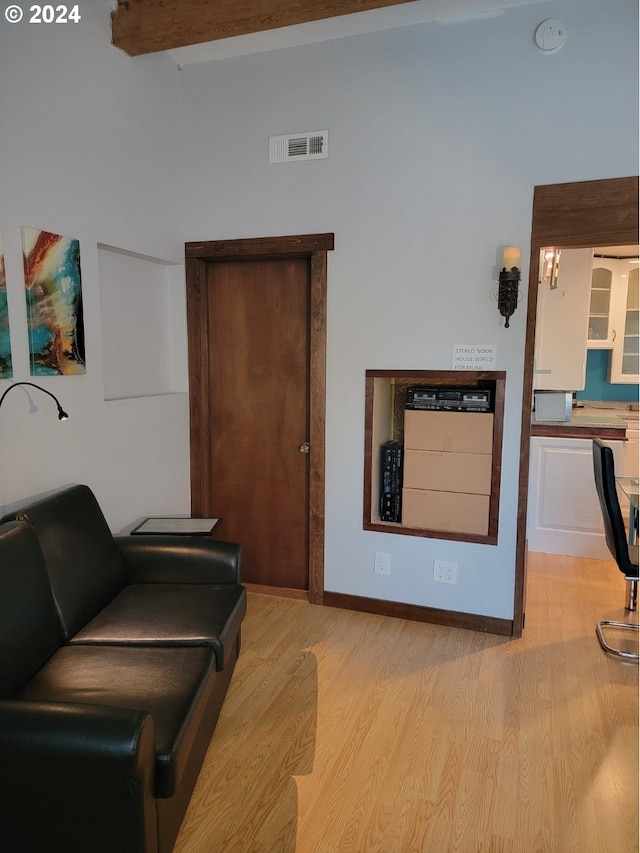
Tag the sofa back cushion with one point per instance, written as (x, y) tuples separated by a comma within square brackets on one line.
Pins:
[(84, 566), (29, 629)]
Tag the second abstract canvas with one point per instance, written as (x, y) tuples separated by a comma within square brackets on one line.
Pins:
[(54, 303)]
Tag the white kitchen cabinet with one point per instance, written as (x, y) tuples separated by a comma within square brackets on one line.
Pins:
[(630, 460), (613, 316), (564, 515), (560, 356), (624, 363), (600, 334)]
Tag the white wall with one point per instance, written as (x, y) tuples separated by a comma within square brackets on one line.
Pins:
[(89, 148), (437, 136)]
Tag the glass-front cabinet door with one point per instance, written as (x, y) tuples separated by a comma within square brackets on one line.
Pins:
[(625, 356), (600, 333)]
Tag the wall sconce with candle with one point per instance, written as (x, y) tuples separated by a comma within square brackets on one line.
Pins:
[(508, 281)]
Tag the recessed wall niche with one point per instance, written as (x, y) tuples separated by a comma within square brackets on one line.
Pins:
[(143, 320), (455, 481)]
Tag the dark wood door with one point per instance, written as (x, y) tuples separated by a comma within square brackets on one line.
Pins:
[(265, 362), (258, 398)]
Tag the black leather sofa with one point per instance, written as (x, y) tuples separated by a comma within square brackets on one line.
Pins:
[(116, 654)]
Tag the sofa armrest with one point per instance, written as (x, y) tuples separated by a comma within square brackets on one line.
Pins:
[(179, 559), (65, 767), (89, 737)]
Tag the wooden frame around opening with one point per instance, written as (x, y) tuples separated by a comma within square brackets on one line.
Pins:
[(572, 216), (494, 380), (197, 256)]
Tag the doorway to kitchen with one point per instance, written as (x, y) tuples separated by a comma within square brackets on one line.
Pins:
[(572, 216)]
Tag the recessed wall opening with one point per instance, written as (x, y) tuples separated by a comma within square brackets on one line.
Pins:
[(447, 475), (143, 321)]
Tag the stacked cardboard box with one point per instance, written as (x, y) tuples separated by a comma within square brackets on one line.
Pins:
[(447, 470)]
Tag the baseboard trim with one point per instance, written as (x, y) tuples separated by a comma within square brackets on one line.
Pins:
[(282, 591), (448, 618)]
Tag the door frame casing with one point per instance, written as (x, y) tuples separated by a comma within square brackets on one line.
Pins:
[(198, 255), (578, 215)]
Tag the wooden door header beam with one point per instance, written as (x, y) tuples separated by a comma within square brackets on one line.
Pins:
[(147, 26), (586, 213)]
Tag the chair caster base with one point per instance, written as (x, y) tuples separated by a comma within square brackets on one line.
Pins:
[(625, 626)]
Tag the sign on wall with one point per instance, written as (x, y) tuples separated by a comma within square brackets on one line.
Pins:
[(474, 356)]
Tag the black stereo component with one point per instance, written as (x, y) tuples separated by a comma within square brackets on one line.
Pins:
[(391, 481), (446, 398)]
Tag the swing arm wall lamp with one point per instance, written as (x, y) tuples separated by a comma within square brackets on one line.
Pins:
[(62, 415)]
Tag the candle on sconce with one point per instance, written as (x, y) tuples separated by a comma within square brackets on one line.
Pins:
[(511, 257)]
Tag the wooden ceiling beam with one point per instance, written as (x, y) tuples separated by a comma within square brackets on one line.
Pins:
[(147, 26)]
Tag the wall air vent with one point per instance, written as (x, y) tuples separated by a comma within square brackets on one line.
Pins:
[(299, 146)]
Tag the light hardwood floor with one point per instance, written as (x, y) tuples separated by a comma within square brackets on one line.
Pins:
[(350, 732)]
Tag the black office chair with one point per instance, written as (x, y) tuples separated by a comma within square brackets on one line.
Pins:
[(625, 555)]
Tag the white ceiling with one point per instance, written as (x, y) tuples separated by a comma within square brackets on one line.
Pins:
[(403, 15)]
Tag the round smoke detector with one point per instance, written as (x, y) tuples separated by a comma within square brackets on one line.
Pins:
[(550, 35)]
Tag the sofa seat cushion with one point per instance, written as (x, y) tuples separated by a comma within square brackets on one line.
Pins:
[(171, 614), (174, 686)]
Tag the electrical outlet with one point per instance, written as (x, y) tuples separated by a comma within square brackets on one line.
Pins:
[(445, 572), (382, 563)]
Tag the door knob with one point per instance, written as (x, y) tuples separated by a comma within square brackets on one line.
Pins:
[(304, 447)]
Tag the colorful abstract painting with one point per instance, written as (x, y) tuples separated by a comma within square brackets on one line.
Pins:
[(54, 303), (6, 366)]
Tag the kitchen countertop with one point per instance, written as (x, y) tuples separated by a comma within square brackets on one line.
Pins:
[(628, 412), (588, 422)]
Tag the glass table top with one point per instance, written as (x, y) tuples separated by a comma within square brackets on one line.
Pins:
[(629, 485)]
